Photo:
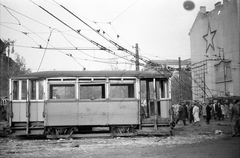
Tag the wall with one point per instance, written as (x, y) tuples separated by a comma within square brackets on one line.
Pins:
[(211, 31)]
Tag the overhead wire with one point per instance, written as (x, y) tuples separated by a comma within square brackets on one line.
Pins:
[(124, 11), (96, 30), (31, 32), (112, 42), (25, 16), (25, 33), (78, 32), (45, 50)]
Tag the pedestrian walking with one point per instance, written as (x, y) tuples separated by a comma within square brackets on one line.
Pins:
[(226, 110), (214, 111), (208, 113), (219, 111), (196, 115), (223, 111), (182, 113), (204, 114), (235, 118)]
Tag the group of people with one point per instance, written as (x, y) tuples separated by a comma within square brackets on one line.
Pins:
[(193, 110), (219, 111), (184, 111)]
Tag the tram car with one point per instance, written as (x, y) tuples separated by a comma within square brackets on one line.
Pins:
[(66, 102)]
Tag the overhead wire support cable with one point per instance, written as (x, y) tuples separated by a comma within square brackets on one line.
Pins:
[(45, 50), (78, 32), (112, 42), (25, 15)]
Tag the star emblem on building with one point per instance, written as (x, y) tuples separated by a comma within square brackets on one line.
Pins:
[(209, 38)]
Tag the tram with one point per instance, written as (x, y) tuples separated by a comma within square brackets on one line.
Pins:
[(66, 102)]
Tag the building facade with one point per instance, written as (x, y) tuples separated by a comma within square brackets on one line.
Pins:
[(180, 80), (215, 54)]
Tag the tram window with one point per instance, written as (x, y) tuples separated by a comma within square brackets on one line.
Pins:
[(33, 90), (92, 91), (158, 89), (15, 90), (151, 90), (24, 90), (121, 91), (40, 90), (62, 91), (164, 89)]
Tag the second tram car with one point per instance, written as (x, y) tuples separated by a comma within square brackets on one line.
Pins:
[(63, 102)]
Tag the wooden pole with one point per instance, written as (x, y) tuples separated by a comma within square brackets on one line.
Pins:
[(137, 58)]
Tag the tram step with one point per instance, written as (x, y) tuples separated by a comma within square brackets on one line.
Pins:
[(18, 128), (151, 125)]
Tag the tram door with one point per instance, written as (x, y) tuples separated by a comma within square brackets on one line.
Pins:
[(26, 108), (35, 104), (19, 106), (149, 98), (155, 98)]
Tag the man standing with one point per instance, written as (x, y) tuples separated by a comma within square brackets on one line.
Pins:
[(235, 118), (196, 115), (191, 119), (208, 112)]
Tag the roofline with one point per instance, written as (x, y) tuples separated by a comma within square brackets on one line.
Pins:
[(52, 74)]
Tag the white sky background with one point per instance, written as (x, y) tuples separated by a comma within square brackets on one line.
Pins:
[(160, 27)]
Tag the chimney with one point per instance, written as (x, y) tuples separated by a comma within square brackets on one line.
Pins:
[(203, 9), (217, 4)]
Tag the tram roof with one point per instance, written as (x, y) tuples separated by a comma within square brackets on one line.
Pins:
[(52, 74)]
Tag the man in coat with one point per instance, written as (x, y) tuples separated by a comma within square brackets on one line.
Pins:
[(235, 118), (208, 113), (182, 113)]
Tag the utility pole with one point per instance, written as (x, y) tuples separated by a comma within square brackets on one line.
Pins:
[(204, 86), (224, 73), (137, 58), (224, 69), (180, 78)]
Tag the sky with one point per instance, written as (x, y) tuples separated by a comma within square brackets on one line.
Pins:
[(49, 37)]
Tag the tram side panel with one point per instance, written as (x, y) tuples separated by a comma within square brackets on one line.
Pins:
[(124, 112), (61, 113), (92, 113), (165, 107), (36, 111), (19, 112)]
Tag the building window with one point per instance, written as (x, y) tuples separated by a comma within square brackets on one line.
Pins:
[(92, 91), (62, 91), (228, 71), (121, 91), (223, 69)]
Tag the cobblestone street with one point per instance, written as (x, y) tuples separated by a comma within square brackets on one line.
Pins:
[(188, 141)]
